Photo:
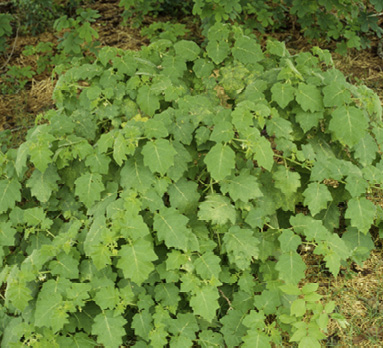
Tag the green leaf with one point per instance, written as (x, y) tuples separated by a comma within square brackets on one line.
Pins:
[(134, 226), (267, 302), (291, 267), (65, 266), (286, 180), (159, 155), (219, 32), (244, 187), (34, 216), (336, 94), (256, 339), (88, 188), (183, 130), (247, 50), (98, 163), (79, 339), (183, 195), (93, 92), (42, 184), (308, 120), (218, 50), (9, 194), (263, 153), (332, 262), (233, 329), (222, 132), (308, 341), (167, 294), (17, 291), (205, 302), (109, 328), (41, 156), (358, 243), (277, 48), (101, 256), (21, 159), (142, 323), (126, 64), (366, 150), (121, 149), (207, 265), (86, 32), (184, 325), (79, 293), (279, 127), (147, 100), (187, 50), (95, 235), (361, 211), (255, 319), (282, 93), (309, 97), (289, 241), (217, 209), (316, 197), (136, 260), (308, 226), (232, 79), (155, 129), (241, 246), (174, 67), (298, 308), (158, 337), (220, 161), (203, 67), (171, 228), (134, 175), (348, 124), (50, 311), (210, 339), (7, 234)]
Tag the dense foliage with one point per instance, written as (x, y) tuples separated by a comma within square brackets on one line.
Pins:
[(169, 196), (38, 15), (348, 22)]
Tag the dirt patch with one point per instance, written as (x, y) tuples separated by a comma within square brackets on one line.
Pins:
[(19, 110)]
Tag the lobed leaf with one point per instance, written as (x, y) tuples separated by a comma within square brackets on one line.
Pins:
[(220, 161), (109, 328), (217, 209), (348, 124), (136, 260), (159, 155)]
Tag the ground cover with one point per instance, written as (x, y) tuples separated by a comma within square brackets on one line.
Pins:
[(356, 291)]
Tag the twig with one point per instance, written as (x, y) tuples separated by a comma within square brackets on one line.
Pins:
[(227, 300)]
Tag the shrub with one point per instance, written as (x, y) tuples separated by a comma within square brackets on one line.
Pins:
[(167, 30), (349, 23), (15, 78), (38, 15), (135, 10), (167, 199)]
